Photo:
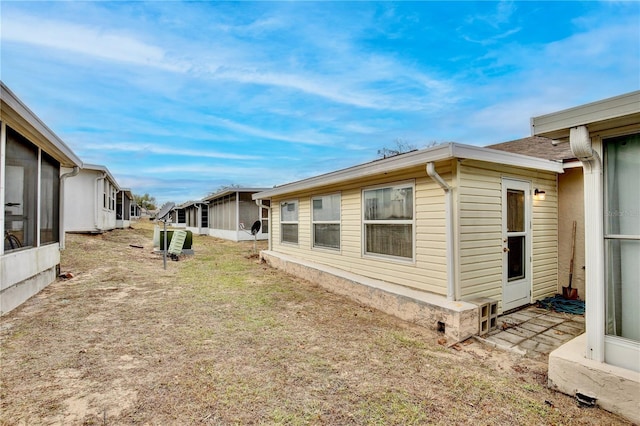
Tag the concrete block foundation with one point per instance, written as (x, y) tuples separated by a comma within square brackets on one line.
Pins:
[(614, 389), (456, 319)]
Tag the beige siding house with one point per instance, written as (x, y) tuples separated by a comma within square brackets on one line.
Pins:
[(432, 236)]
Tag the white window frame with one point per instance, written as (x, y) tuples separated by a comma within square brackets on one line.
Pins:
[(296, 202), (326, 222), (399, 259)]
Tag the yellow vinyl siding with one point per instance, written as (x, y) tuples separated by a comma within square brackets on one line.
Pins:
[(477, 189), (427, 273), (480, 245)]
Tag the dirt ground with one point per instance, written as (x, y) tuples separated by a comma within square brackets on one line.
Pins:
[(221, 338)]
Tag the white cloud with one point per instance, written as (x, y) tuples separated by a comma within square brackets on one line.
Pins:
[(165, 150), (85, 40)]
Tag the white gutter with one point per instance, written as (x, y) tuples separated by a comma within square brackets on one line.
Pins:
[(98, 202), (414, 159), (448, 211), (263, 206), (61, 206), (594, 241)]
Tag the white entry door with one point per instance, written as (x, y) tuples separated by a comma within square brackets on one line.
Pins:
[(516, 246)]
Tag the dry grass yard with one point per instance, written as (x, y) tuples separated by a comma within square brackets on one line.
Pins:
[(220, 338)]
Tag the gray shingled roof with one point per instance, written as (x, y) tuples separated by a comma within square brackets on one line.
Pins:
[(536, 146)]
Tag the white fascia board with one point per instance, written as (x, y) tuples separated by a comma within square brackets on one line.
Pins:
[(412, 159), (99, 168), (503, 157), (228, 191), (127, 192), (557, 123), (9, 99)]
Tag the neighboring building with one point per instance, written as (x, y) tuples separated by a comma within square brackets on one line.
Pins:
[(196, 217), (428, 236), (178, 216), (135, 211), (90, 201), (604, 363), (232, 213), (31, 184), (125, 205)]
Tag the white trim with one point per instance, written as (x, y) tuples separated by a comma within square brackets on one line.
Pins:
[(9, 99), (622, 352), (555, 124), (525, 186), (326, 222), (363, 233), (414, 159), (290, 222)]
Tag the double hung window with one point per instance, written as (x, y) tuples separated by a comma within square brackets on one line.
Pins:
[(388, 220), (289, 221), (326, 221)]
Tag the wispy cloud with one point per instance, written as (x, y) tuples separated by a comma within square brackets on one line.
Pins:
[(178, 98), (79, 39), (175, 151)]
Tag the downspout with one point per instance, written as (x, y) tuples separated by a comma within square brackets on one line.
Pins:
[(594, 241), (63, 177), (448, 211), (263, 206), (98, 202)]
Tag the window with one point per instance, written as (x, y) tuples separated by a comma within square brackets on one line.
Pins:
[(49, 200), (388, 220), (289, 222), (326, 221), (265, 216), (204, 215), (516, 235), (21, 189), (622, 236)]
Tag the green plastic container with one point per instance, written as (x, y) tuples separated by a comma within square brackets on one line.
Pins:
[(187, 242)]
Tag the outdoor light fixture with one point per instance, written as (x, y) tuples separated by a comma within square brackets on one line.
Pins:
[(539, 194)]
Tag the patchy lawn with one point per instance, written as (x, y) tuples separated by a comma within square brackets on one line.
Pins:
[(221, 338)]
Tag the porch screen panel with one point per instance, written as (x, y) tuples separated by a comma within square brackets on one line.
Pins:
[(20, 189), (388, 221), (49, 200), (249, 211), (622, 236)]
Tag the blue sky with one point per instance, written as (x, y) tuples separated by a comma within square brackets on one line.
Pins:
[(178, 99)]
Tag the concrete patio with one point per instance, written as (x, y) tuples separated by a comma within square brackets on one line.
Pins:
[(534, 332)]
